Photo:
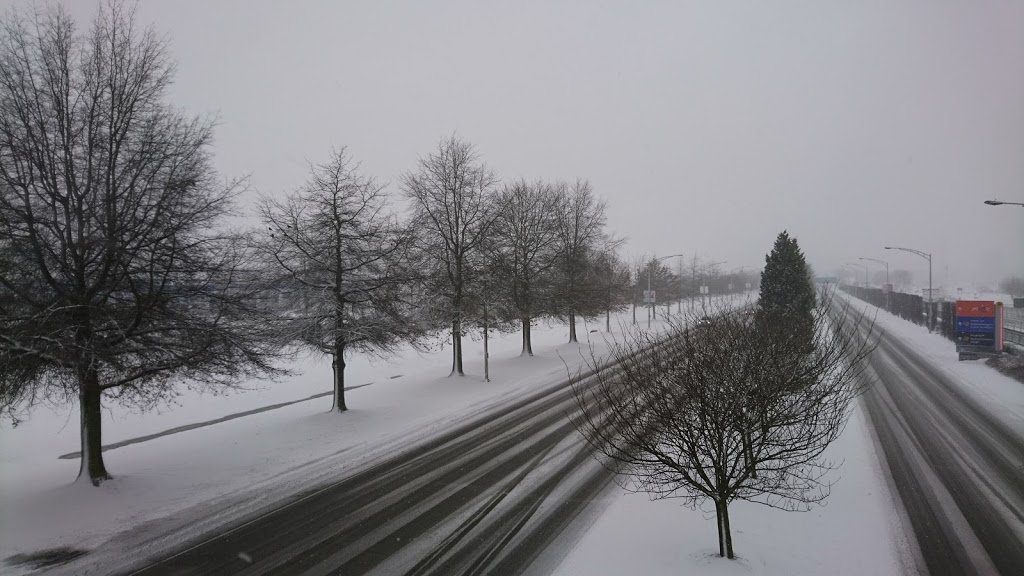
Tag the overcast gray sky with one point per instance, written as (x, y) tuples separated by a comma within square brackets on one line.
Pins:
[(708, 126)]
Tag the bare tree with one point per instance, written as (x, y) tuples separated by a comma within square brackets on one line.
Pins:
[(637, 263), (118, 281), (450, 193), (349, 259), (719, 411), (580, 221), (610, 276), (525, 240)]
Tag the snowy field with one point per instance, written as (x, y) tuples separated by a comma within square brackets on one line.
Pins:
[(226, 469)]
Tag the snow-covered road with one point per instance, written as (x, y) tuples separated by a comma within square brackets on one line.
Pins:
[(956, 457), (491, 492)]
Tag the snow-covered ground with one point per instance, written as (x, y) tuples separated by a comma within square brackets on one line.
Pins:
[(856, 532), (1002, 395), (234, 466)]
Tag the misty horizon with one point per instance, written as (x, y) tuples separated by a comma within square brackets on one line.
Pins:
[(708, 128)]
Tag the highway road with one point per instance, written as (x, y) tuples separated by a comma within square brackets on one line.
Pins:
[(487, 497), (958, 469)]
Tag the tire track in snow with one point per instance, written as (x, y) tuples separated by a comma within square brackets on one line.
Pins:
[(956, 467), (487, 497)]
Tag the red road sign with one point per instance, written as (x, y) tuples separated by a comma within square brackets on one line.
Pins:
[(976, 308)]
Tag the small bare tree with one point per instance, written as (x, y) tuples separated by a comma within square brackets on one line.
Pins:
[(346, 262), (118, 280), (524, 239), (450, 193), (718, 411)]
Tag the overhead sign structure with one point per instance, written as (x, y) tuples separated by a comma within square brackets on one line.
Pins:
[(978, 327)]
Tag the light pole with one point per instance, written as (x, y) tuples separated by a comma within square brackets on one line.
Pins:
[(927, 257), (650, 301), (886, 277), (1001, 203)]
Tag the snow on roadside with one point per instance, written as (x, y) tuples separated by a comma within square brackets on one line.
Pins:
[(856, 532), (1001, 395), (266, 455)]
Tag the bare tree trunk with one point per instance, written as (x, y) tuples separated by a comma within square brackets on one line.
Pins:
[(572, 326), (728, 531), (338, 364), (748, 453), (634, 312), (457, 348), (721, 529), (608, 320), (527, 343), (92, 445)]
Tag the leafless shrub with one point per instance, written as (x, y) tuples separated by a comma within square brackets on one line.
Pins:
[(716, 410)]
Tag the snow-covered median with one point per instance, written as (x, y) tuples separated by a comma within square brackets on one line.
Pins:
[(856, 532)]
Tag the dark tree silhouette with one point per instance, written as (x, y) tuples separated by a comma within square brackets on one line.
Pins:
[(720, 409), (450, 191), (118, 281), (579, 222), (787, 298), (347, 263), (525, 239)]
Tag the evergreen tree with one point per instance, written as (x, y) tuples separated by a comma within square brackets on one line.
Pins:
[(787, 298)]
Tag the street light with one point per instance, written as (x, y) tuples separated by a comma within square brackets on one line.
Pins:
[(886, 277), (927, 257), (1001, 203), (650, 303)]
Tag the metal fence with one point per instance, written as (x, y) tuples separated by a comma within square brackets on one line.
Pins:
[(1013, 326)]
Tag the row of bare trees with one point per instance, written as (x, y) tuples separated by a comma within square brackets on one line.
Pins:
[(470, 252), (121, 280)]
